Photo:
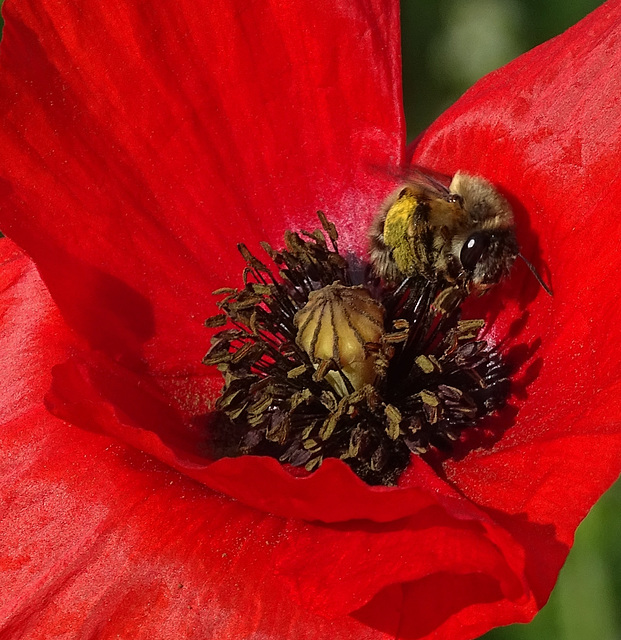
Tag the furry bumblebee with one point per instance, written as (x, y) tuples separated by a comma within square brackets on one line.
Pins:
[(460, 237)]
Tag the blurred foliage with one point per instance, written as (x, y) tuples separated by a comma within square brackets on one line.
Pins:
[(447, 46)]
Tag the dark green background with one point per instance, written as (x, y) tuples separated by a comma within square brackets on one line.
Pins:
[(447, 46)]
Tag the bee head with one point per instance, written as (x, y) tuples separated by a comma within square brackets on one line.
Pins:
[(486, 246), (487, 256), (481, 200)]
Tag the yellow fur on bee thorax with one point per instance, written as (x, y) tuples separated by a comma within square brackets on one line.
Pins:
[(404, 224)]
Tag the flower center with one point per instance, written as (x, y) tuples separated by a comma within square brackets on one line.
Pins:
[(320, 362)]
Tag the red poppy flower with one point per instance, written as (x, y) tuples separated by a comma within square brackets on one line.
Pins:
[(139, 144)]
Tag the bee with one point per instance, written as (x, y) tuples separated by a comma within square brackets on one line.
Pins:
[(461, 236)]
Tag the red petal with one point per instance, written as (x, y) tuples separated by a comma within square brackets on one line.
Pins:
[(141, 145), (546, 128), (523, 484), (33, 334), (98, 539)]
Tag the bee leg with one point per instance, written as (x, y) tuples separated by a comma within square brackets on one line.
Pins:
[(405, 283), (449, 299)]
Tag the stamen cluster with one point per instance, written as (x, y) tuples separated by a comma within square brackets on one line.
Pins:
[(427, 375)]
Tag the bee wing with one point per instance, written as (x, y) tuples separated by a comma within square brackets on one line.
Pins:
[(435, 185), (432, 184)]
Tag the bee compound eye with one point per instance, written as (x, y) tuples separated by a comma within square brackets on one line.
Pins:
[(473, 249)]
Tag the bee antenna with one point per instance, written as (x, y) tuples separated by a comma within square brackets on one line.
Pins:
[(544, 286)]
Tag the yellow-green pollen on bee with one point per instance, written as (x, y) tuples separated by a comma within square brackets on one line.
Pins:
[(321, 360), (397, 231)]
